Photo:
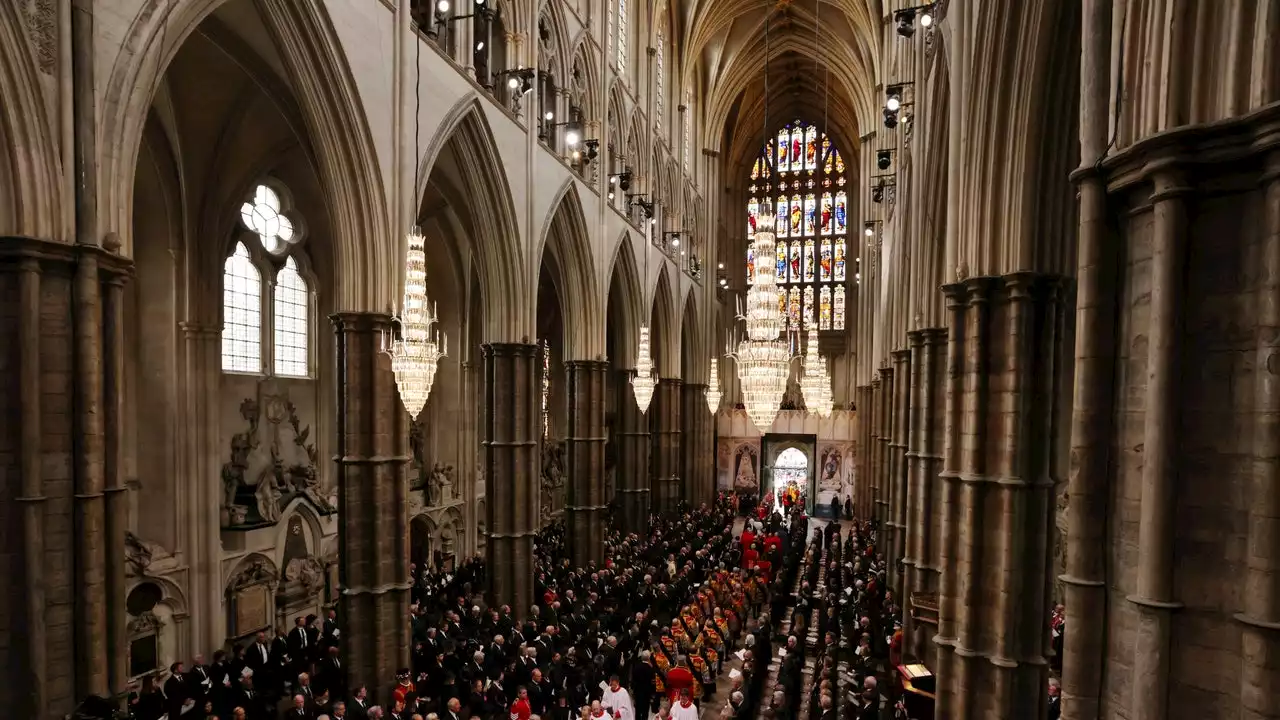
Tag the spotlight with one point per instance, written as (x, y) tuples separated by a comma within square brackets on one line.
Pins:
[(681, 253), (576, 155), (926, 19), (442, 6), (593, 149), (890, 119), (720, 266), (675, 242), (480, 46), (906, 23), (571, 138), (479, 2), (724, 282), (613, 179), (513, 82), (868, 230), (549, 115), (883, 159), (653, 221), (877, 194), (624, 180), (857, 276), (893, 103), (610, 194)]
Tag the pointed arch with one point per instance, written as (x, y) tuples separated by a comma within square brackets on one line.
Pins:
[(335, 122), (624, 315), (665, 327), (466, 132), (584, 79), (30, 168), (565, 244), (693, 355), (560, 60)]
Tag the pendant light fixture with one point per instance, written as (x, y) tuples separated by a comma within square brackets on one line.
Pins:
[(815, 384), (763, 357), (713, 392), (646, 379), (415, 354)]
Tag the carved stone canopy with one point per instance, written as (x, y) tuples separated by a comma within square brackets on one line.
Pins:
[(146, 623), (257, 572)]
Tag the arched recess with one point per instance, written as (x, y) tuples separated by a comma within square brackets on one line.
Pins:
[(30, 195), (422, 533), (313, 57), (565, 247), (465, 151), (666, 339), (584, 81), (693, 356), (624, 306)]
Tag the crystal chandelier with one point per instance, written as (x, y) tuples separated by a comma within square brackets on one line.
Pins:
[(713, 388), (816, 381), (416, 354), (763, 358), (644, 382)]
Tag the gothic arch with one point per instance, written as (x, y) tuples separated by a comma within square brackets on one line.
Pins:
[(693, 356), (336, 126), (625, 301), (302, 508), (171, 594), (558, 60), (483, 179), (566, 243), (29, 164), (665, 328), (585, 79)]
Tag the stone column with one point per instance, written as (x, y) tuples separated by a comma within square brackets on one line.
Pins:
[(32, 499), (584, 448), (915, 530), (89, 577), (633, 457), (117, 499), (1260, 621), (699, 451), (1154, 597), (932, 391), (898, 466), (999, 507), (373, 537), (873, 449), (469, 462), (665, 423), (511, 470), (866, 445), (885, 423)]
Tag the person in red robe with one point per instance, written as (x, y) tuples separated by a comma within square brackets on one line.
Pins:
[(520, 709), (679, 678), (748, 538), (772, 543), (749, 558)]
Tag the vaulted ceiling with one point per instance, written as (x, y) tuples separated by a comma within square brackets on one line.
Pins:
[(822, 58)]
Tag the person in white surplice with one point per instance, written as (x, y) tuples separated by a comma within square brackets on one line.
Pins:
[(684, 709), (618, 701)]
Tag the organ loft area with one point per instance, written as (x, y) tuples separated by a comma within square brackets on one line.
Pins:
[(781, 359)]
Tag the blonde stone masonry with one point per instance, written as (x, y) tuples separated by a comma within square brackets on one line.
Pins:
[(585, 505)]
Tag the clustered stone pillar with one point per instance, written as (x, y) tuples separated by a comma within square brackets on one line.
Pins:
[(923, 459), (1260, 621), (884, 421), (664, 422), (511, 470), (874, 449), (373, 537), (633, 457), (866, 444), (897, 491), (998, 506), (699, 452), (586, 502)]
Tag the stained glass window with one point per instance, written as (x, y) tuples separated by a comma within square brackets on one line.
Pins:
[(751, 265), (802, 173), (546, 389), (290, 320), (688, 130), (659, 99), (241, 313)]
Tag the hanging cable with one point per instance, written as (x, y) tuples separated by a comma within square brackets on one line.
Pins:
[(417, 118)]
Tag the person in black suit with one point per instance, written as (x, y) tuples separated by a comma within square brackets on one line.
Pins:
[(176, 692), (330, 675), (248, 697), (358, 707), (299, 711), (1055, 699), (300, 646)]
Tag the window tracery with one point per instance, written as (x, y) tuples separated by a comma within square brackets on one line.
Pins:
[(659, 100), (802, 174)]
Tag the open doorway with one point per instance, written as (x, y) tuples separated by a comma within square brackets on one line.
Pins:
[(790, 479)]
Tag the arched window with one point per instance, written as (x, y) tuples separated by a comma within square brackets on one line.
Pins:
[(244, 335), (621, 41), (241, 313), (660, 85), (290, 322), (802, 174), (688, 129)]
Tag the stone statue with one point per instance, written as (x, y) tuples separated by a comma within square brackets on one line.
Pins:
[(440, 485), (306, 572)]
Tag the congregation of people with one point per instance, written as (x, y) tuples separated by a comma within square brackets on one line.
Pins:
[(782, 620)]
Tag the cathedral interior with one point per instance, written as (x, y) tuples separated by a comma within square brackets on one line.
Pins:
[(1051, 328)]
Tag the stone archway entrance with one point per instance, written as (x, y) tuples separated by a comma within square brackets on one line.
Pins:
[(789, 466)]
